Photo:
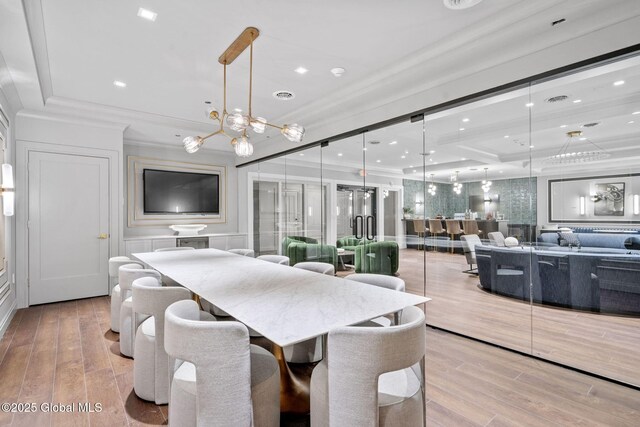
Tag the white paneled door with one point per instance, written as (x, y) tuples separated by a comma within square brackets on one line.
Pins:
[(68, 226)]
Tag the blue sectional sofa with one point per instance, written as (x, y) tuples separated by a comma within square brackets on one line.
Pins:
[(592, 242), (606, 282)]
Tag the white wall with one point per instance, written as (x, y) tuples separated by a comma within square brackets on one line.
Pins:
[(43, 131), (204, 156), (9, 104), (543, 197)]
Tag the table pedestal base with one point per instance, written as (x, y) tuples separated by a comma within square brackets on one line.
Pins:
[(294, 384)]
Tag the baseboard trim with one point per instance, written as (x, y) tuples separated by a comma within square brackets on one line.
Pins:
[(4, 324)]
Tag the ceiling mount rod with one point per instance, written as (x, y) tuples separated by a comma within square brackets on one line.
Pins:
[(239, 45)]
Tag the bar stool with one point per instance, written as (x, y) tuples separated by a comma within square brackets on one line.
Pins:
[(453, 229), (435, 228), (470, 226), (420, 229)]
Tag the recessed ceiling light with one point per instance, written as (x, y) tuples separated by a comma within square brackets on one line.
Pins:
[(300, 70), (414, 171), (500, 171), (410, 166), (463, 158), (531, 146), (563, 126), (577, 101), (618, 83), (339, 154), (364, 149), (238, 110), (393, 142), (284, 95), (461, 129), (118, 83), (431, 160), (406, 151), (465, 120), (301, 154), (530, 104), (583, 139), (378, 161), (435, 163), (403, 157), (338, 71), (147, 14), (635, 113), (506, 136), (630, 122)]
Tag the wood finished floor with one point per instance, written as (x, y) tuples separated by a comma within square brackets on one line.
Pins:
[(605, 344), (65, 353)]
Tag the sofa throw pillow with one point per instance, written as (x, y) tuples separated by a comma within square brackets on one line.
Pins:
[(568, 239)]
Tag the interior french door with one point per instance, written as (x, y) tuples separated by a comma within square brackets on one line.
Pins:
[(68, 226)]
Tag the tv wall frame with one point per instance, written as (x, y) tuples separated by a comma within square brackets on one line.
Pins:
[(135, 209)]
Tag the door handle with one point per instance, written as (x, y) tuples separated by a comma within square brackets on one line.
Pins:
[(360, 222), (103, 236), (371, 227)]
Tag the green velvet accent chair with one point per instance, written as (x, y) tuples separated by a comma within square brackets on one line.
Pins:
[(348, 243), (377, 258), (300, 252), (291, 239)]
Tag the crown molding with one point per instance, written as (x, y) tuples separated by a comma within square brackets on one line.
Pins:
[(65, 118)]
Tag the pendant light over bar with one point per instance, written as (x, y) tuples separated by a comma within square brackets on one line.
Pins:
[(238, 122)]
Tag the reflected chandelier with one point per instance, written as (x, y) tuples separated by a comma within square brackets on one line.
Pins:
[(486, 184), (566, 156), (457, 186), (237, 121)]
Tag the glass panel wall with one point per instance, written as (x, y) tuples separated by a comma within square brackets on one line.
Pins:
[(586, 155), (477, 201), (518, 214)]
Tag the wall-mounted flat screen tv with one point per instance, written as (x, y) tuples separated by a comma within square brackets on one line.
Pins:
[(174, 192)]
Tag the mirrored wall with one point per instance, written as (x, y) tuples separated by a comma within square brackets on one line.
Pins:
[(518, 214)]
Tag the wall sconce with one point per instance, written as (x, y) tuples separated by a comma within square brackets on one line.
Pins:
[(583, 205), (636, 204), (7, 190)]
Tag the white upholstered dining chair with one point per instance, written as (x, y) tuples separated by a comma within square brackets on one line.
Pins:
[(176, 248), (216, 376), (151, 362), (318, 267), (116, 299), (276, 259), (382, 281), (243, 252), (311, 350), (128, 322), (372, 376)]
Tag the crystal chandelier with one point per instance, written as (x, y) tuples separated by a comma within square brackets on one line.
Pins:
[(432, 187), (566, 155), (486, 184), (238, 122), (457, 186)]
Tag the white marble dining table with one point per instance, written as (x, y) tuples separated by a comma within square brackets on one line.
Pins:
[(285, 304)]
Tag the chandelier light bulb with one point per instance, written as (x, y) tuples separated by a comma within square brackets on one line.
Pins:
[(192, 144), (237, 122), (243, 147), (293, 132), (258, 124)]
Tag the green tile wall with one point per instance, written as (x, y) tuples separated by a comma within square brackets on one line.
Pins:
[(515, 203)]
